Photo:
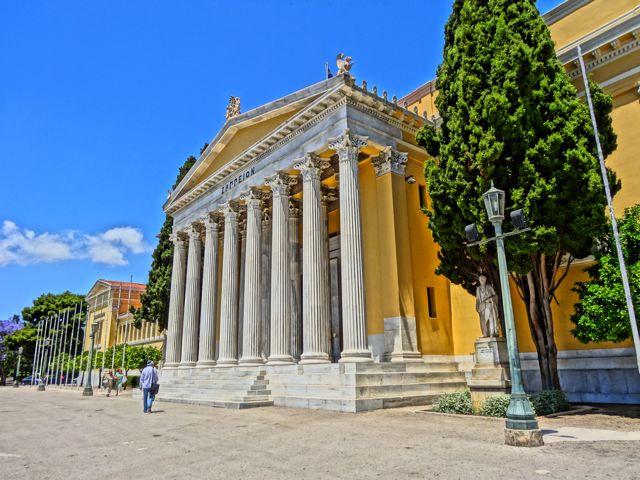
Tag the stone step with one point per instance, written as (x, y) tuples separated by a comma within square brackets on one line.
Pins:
[(353, 405), (219, 403), (226, 397), (219, 383)]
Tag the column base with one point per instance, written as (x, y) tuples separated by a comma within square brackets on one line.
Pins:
[(171, 365), (251, 361), (281, 360), (523, 438), (206, 364), (226, 362), (187, 365), (356, 356), (310, 358), (402, 357)]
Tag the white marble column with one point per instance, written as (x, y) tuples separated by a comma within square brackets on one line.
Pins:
[(266, 284), (191, 300), (229, 300), (280, 349), (294, 260), (176, 301), (252, 281), (208, 307), (354, 316), (242, 227), (315, 310), (329, 194)]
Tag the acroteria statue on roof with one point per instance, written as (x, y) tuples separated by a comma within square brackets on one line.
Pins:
[(233, 109), (343, 63)]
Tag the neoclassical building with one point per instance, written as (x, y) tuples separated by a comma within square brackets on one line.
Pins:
[(304, 272), (299, 239)]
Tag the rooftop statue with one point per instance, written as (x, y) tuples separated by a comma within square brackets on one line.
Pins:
[(233, 109), (344, 64)]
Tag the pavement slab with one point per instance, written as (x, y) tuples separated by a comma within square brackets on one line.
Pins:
[(62, 435)]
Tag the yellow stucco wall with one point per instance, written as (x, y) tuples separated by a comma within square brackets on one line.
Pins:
[(588, 18)]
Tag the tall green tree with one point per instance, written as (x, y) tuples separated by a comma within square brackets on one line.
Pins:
[(49, 304), (510, 115), (601, 314), (155, 300)]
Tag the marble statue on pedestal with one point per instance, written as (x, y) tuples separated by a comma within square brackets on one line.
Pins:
[(487, 307)]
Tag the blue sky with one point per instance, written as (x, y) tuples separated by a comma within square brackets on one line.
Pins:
[(101, 102)]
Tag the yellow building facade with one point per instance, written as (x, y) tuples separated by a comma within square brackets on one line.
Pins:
[(302, 257), (609, 35), (108, 303)]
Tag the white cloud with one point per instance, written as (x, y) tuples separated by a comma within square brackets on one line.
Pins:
[(24, 247)]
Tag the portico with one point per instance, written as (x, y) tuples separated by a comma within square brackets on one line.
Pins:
[(256, 215)]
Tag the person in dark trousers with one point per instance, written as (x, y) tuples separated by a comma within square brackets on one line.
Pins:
[(149, 385)]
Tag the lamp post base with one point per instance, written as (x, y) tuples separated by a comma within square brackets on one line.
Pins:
[(87, 392), (523, 438), (16, 384), (41, 387)]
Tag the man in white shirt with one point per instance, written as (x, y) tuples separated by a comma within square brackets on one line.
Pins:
[(148, 384)]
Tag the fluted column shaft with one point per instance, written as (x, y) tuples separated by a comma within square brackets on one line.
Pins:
[(266, 284), (229, 301), (176, 301), (329, 194), (252, 282), (280, 275), (353, 301), (295, 296), (207, 346), (315, 312), (192, 300), (242, 225)]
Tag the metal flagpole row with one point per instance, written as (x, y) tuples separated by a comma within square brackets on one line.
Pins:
[(56, 361), (52, 356), (63, 343), (75, 352), (73, 324), (35, 354), (43, 347), (614, 221), (47, 363)]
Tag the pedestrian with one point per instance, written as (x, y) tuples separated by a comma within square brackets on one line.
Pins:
[(149, 385), (107, 381), (121, 379)]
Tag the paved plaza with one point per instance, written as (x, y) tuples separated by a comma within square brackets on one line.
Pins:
[(61, 435)]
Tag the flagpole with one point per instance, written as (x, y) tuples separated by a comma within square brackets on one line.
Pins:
[(35, 353), (75, 311), (614, 221), (82, 344), (55, 348), (50, 356), (63, 344), (45, 331)]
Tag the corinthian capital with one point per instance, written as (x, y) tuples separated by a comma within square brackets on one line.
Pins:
[(311, 166), (347, 143), (179, 239), (390, 160), (280, 183)]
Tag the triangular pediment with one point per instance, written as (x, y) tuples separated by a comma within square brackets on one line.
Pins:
[(242, 132)]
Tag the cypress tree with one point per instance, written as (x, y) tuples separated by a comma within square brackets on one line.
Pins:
[(155, 300), (510, 115)]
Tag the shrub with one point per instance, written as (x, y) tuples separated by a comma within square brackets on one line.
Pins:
[(455, 402), (495, 405), (549, 401), (133, 381)]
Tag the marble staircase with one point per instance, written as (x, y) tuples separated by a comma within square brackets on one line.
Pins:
[(345, 387), (233, 387)]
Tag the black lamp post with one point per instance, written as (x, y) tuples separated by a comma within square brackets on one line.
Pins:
[(88, 388)]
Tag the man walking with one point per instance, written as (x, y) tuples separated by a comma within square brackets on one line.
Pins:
[(149, 385)]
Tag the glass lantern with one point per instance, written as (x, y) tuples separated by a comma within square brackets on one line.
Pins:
[(494, 204)]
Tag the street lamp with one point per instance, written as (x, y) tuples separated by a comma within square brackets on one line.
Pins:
[(16, 383), (521, 425), (88, 388)]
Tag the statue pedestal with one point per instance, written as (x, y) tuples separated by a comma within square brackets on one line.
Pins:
[(490, 374)]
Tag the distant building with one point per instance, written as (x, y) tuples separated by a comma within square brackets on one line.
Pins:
[(109, 303)]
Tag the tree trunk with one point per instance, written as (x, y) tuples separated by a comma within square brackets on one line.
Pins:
[(537, 289)]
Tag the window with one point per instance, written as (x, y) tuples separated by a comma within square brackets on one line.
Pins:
[(421, 192), (431, 302)]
